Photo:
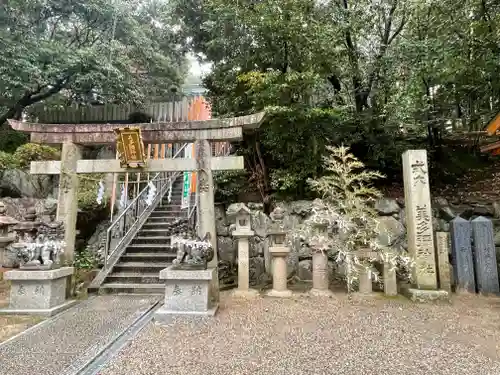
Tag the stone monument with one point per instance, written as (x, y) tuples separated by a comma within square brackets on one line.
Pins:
[(39, 286), (419, 227), (242, 232), (485, 256), (443, 250), (461, 250)]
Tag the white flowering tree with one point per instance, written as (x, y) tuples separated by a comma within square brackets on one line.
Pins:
[(344, 223)]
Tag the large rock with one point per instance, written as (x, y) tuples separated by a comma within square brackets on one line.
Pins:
[(256, 270), (305, 269), (260, 223), (391, 231), (387, 206), (258, 246), (19, 183), (227, 249), (16, 207)]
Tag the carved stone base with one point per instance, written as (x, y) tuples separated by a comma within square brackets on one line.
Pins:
[(321, 293), (279, 293), (38, 292), (187, 292), (249, 293), (421, 295)]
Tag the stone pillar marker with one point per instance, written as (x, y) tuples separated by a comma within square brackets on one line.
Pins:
[(390, 279), (320, 274), (443, 249), (461, 249), (419, 218), (67, 204), (485, 255), (242, 232), (279, 252), (365, 281), (206, 205)]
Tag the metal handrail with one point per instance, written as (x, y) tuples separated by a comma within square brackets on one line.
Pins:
[(125, 227)]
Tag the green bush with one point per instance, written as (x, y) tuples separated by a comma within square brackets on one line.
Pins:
[(7, 161), (85, 260), (229, 185), (29, 152), (87, 191)]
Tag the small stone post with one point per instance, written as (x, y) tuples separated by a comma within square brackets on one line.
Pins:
[(5, 238), (443, 249), (67, 202), (279, 252), (365, 281), (390, 280), (242, 232), (320, 274)]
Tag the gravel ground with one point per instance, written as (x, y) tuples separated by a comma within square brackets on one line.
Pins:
[(305, 335)]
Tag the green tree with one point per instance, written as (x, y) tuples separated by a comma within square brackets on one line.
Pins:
[(92, 50)]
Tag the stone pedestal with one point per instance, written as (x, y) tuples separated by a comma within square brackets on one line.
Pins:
[(243, 265), (35, 292), (390, 280), (365, 282), (187, 292), (320, 275), (279, 255)]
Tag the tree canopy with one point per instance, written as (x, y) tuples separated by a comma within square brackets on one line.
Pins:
[(92, 50), (380, 70)]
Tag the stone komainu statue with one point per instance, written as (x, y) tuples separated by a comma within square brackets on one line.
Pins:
[(194, 255)]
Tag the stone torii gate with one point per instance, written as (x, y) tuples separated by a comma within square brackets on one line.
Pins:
[(74, 136)]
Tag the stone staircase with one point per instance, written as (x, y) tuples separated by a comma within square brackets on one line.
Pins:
[(137, 270)]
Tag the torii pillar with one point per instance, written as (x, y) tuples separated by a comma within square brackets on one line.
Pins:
[(67, 201)]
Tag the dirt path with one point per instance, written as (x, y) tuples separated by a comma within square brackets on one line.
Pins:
[(11, 325)]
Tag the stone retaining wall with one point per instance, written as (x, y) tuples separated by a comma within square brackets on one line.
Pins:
[(392, 226)]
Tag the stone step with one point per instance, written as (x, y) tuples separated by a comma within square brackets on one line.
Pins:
[(135, 288), (167, 211), (134, 277), (162, 240), (141, 265), (156, 257), (155, 219), (148, 245), (154, 233), (158, 225)]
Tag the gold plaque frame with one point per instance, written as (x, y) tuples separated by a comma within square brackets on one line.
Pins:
[(130, 147)]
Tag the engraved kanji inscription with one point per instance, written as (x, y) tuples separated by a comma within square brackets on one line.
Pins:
[(419, 173), (177, 290), (196, 290), (21, 290), (39, 290)]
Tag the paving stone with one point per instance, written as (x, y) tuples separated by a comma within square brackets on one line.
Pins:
[(69, 340)]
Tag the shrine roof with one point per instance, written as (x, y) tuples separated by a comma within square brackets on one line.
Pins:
[(223, 129)]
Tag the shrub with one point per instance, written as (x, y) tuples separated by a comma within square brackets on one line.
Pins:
[(345, 221), (29, 152), (7, 161)]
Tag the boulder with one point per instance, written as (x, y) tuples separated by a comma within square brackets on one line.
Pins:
[(391, 231), (227, 249), (305, 269), (19, 183), (256, 269), (387, 206)]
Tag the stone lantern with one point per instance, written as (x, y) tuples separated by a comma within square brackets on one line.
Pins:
[(279, 253), (243, 231), (5, 238), (28, 229)]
